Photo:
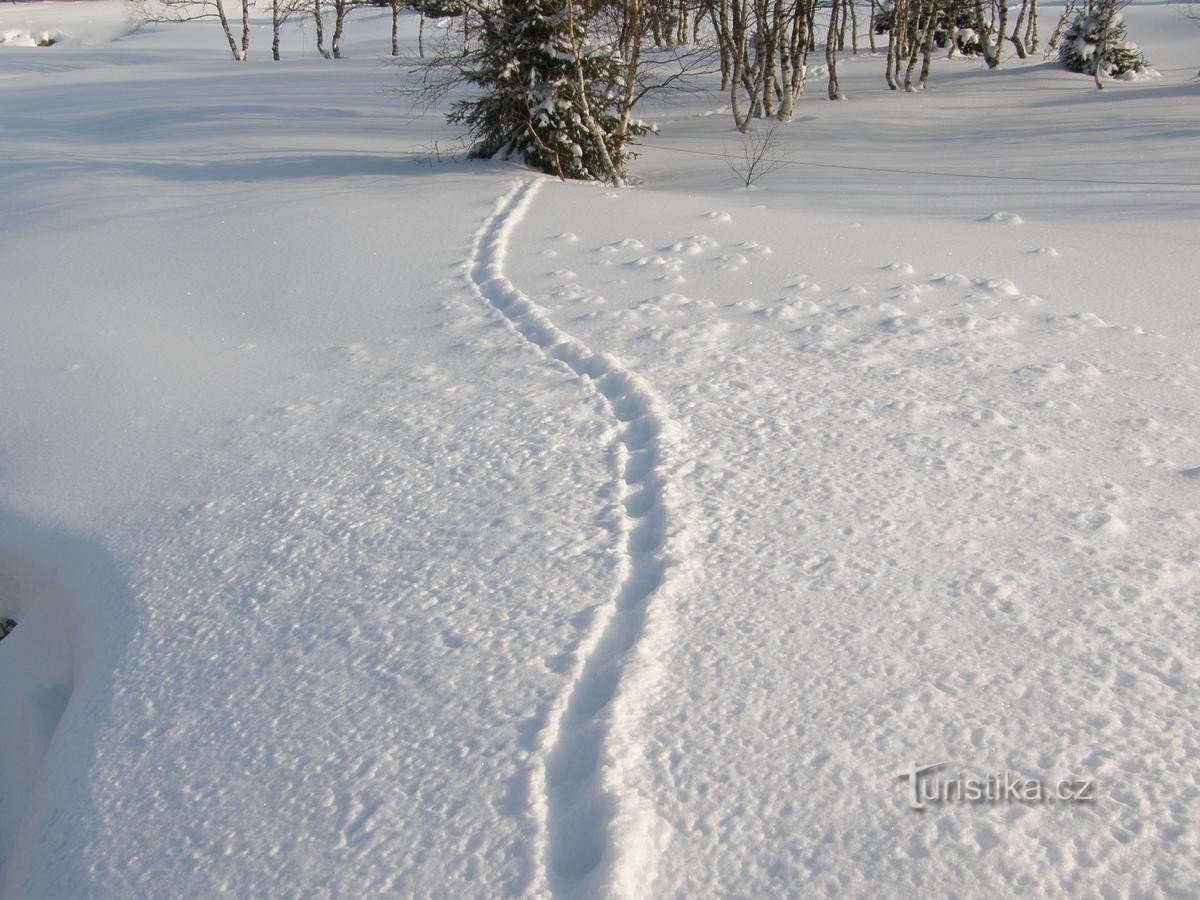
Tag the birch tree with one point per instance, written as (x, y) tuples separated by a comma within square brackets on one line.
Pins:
[(191, 10)]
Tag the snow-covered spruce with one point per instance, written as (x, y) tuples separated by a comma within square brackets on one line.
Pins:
[(548, 98), (1083, 39)]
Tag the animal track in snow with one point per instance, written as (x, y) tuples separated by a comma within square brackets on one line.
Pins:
[(596, 827)]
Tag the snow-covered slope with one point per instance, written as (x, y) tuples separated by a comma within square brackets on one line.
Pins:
[(380, 525)]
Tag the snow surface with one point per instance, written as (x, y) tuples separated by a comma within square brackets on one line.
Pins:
[(381, 525)]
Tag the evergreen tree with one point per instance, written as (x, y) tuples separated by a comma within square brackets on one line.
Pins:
[(550, 97), (1095, 43)]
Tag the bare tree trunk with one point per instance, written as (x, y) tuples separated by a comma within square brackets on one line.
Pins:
[(764, 53), (723, 28), (633, 30), (926, 22), (735, 39), (233, 46), (320, 22), (395, 27), (339, 21), (1031, 31), (245, 30), (896, 44), (1106, 9), (831, 52), (992, 51), (871, 29), (614, 170), (853, 4), (1056, 36), (793, 59), (953, 8), (1018, 29), (927, 46), (915, 47), (738, 40), (1001, 27), (276, 22)]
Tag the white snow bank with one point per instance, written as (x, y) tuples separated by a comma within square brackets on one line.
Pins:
[(15, 37), (68, 600)]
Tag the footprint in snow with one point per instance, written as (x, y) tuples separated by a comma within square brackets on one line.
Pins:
[(756, 248), (692, 246), (1004, 218), (1002, 286), (625, 244)]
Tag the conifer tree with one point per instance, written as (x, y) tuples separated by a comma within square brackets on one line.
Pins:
[(550, 97)]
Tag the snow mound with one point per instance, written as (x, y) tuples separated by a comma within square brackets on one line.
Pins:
[(16, 37), (1005, 218)]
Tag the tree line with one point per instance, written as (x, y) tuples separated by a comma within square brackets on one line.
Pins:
[(558, 80)]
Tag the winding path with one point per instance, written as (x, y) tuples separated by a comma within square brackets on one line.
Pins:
[(599, 832)]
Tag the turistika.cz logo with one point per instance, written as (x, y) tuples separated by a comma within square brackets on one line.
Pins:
[(924, 787)]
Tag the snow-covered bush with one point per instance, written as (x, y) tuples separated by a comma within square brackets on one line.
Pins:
[(967, 41), (1081, 42), (548, 96), (6, 626)]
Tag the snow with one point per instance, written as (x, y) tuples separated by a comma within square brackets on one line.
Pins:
[(380, 525)]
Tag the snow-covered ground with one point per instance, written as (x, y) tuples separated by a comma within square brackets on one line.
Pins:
[(382, 525)]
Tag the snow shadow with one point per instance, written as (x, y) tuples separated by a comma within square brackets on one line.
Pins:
[(72, 610)]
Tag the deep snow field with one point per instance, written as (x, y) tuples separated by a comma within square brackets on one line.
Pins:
[(382, 524)]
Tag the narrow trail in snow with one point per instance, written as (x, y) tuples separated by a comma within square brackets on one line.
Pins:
[(598, 831)]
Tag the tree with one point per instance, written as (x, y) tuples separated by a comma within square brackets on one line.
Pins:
[(1193, 12), (551, 97), (190, 10), (1025, 34), (1095, 44), (281, 11), (764, 47)]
